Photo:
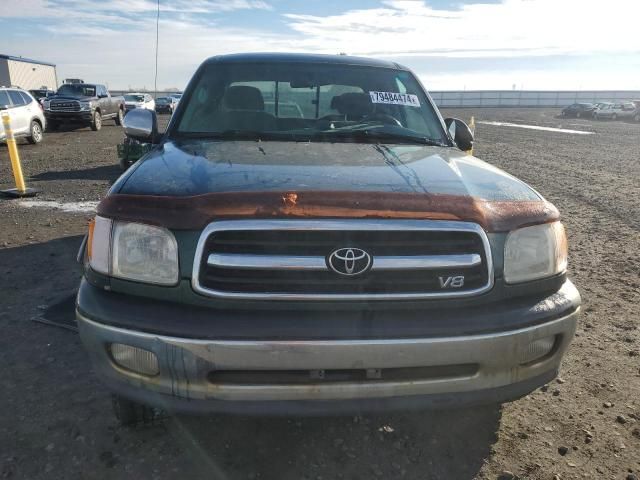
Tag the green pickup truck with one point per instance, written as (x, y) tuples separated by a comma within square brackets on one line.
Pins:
[(346, 257)]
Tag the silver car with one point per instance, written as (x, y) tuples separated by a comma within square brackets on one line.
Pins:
[(25, 113), (615, 111)]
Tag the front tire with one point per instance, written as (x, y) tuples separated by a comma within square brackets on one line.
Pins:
[(578, 115), (131, 413), (96, 121), (614, 117), (637, 117), (35, 133), (119, 117)]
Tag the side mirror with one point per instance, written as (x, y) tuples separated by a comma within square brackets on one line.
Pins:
[(142, 125), (460, 132)]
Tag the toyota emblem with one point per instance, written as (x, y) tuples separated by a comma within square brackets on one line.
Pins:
[(349, 261)]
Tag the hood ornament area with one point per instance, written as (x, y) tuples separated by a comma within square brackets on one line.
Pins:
[(349, 261)]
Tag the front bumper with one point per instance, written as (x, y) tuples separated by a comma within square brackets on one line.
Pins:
[(444, 370)]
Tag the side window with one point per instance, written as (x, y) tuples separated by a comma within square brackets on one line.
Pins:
[(296, 102), (16, 98), (27, 99), (327, 94), (413, 118), (267, 91), (4, 98)]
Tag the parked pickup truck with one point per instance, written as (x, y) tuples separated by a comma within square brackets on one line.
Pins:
[(354, 258), (82, 103)]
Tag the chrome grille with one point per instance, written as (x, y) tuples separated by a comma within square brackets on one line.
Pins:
[(289, 259), (64, 106)]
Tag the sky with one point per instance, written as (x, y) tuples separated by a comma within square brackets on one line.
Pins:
[(450, 45)]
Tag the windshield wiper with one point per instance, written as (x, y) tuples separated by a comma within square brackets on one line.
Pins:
[(376, 135)]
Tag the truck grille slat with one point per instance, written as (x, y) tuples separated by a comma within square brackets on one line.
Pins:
[(291, 259), (64, 106), (311, 263), (303, 243)]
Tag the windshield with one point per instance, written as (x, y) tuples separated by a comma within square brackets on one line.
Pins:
[(134, 98), (77, 90), (309, 102)]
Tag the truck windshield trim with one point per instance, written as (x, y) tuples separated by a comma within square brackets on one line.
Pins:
[(307, 102)]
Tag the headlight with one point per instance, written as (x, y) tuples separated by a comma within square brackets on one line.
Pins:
[(85, 106), (133, 251), (535, 252), (46, 104)]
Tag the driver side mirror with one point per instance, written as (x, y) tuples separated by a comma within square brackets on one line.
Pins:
[(142, 125), (460, 132)]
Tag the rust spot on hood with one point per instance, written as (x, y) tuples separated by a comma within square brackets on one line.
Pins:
[(290, 199), (195, 212)]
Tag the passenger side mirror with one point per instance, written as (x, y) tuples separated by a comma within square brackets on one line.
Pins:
[(460, 132), (142, 125)]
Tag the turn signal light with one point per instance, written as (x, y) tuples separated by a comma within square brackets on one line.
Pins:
[(135, 359), (537, 349)]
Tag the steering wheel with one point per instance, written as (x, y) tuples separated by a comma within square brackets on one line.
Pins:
[(385, 118)]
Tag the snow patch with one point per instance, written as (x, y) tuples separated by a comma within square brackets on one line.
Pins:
[(536, 127), (70, 207)]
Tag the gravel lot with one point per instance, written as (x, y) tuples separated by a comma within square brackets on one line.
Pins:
[(56, 419)]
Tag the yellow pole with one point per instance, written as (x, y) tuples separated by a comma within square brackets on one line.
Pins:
[(472, 127), (13, 153)]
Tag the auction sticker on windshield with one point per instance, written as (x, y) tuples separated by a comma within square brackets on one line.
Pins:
[(392, 98)]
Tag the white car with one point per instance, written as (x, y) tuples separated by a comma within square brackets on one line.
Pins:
[(25, 113), (615, 111), (139, 100)]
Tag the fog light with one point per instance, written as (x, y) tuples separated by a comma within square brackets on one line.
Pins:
[(135, 359), (537, 349)]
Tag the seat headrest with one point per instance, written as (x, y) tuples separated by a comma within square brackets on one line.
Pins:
[(352, 104), (243, 97)]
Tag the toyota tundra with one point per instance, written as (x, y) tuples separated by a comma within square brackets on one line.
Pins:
[(349, 256)]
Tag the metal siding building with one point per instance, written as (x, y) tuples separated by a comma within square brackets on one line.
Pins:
[(26, 73)]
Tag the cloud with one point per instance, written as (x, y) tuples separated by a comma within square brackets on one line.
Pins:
[(113, 41), (513, 27), (120, 9)]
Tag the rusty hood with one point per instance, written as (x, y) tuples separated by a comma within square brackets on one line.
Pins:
[(189, 184)]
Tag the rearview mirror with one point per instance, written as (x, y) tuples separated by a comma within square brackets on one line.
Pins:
[(142, 125), (460, 133)]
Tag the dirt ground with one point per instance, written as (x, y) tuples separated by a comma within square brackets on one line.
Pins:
[(55, 416)]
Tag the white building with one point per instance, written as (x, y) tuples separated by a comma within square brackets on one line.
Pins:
[(27, 74)]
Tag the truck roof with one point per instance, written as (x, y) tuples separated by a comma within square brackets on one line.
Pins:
[(303, 58)]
